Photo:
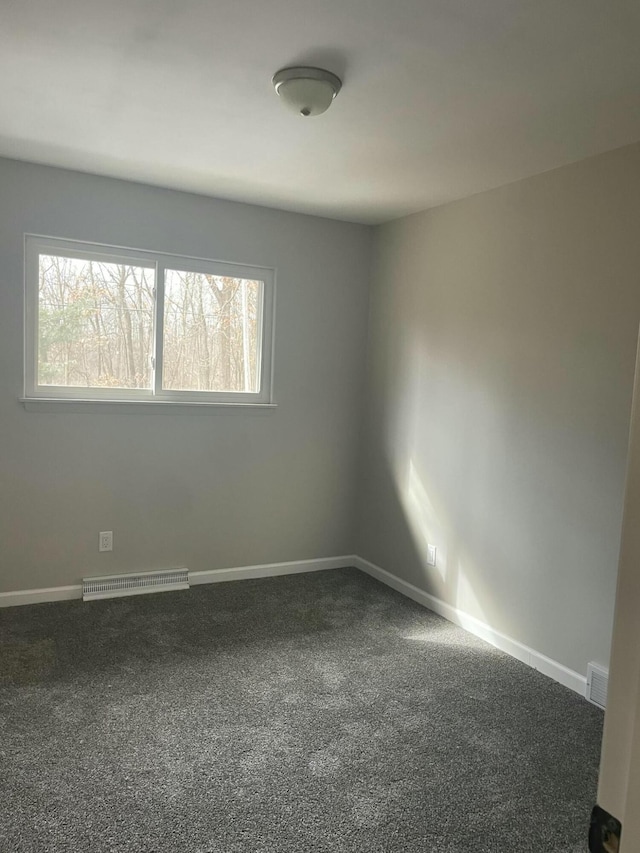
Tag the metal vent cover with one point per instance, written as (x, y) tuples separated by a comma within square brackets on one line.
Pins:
[(597, 684), (114, 586)]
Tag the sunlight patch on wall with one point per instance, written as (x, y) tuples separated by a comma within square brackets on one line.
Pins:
[(432, 447), (423, 520), (466, 598)]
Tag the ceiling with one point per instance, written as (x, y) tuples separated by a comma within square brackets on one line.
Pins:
[(441, 98)]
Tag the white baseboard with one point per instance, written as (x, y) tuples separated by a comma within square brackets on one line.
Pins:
[(551, 668), (39, 596), (270, 570), (527, 655)]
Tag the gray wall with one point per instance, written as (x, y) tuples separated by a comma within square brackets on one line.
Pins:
[(501, 361), (500, 369), (203, 490)]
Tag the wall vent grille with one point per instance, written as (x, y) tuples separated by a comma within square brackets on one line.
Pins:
[(597, 684), (114, 586)]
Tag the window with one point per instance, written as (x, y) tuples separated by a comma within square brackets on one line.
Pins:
[(105, 323)]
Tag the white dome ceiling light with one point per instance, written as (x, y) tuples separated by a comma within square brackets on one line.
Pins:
[(305, 90)]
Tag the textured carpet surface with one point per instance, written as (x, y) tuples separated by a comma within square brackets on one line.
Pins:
[(319, 712)]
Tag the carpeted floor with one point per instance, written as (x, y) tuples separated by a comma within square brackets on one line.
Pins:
[(319, 712)]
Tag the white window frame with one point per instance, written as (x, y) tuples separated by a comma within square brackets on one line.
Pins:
[(35, 245)]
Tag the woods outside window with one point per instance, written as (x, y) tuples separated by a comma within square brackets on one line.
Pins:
[(108, 323)]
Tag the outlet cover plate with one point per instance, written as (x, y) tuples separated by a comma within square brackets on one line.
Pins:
[(105, 541)]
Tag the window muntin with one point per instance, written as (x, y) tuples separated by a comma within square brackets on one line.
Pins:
[(106, 323)]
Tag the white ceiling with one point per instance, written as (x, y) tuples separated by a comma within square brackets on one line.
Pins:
[(441, 98)]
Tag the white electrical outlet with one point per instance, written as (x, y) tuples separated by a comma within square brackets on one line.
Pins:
[(431, 555), (105, 541)]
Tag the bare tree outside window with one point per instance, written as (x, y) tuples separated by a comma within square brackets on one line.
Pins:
[(114, 324), (211, 332), (95, 323)]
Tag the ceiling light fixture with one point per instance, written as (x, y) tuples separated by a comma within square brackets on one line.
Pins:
[(305, 90)]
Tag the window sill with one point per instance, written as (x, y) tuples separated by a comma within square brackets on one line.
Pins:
[(77, 404)]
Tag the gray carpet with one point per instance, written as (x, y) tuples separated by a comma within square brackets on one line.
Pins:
[(319, 712)]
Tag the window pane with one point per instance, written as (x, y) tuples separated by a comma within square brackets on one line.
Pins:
[(95, 323), (211, 332)]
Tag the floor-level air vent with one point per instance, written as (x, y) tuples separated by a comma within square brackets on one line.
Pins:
[(117, 585), (597, 684)]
